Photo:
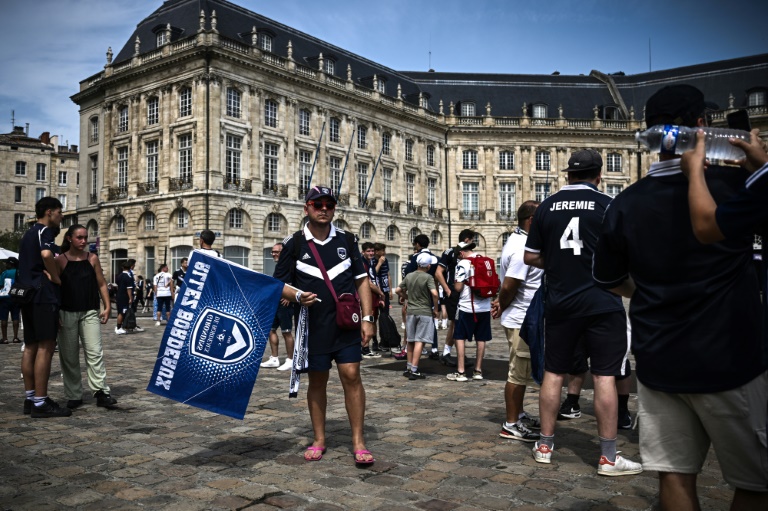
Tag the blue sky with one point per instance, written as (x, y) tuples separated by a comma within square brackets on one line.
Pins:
[(48, 46)]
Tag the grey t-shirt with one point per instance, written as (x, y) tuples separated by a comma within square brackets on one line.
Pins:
[(418, 285)]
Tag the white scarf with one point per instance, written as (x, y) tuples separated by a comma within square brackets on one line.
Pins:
[(300, 352)]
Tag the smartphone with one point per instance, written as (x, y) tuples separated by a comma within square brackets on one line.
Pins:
[(739, 120)]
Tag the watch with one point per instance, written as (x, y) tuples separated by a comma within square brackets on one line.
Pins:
[(369, 319)]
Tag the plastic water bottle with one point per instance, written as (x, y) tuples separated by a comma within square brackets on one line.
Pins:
[(671, 139)]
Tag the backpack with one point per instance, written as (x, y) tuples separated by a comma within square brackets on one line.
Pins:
[(389, 337), (483, 279)]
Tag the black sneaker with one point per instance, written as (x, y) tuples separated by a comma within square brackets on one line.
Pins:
[(518, 431), (434, 355), (407, 373), (104, 399), (569, 411), (74, 403), (416, 376), (625, 420), (49, 408), (28, 404), (447, 360)]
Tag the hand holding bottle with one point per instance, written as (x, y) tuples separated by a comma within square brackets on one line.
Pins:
[(754, 150)]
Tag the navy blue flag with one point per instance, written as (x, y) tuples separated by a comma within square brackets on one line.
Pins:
[(212, 346)]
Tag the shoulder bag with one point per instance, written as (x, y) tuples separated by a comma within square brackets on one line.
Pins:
[(347, 304)]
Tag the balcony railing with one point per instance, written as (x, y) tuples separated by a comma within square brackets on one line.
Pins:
[(412, 209), (471, 215), (147, 188), (506, 216), (301, 193), (369, 204), (240, 185), (177, 184), (94, 198), (117, 192), (343, 199), (435, 213), (390, 206)]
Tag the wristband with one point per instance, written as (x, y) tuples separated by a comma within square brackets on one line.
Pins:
[(298, 296)]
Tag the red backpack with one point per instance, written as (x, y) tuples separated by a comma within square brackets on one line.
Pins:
[(483, 279)]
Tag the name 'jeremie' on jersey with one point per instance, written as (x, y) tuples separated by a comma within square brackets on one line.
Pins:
[(573, 204)]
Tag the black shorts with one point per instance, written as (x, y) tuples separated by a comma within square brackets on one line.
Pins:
[(347, 355), (471, 326), (604, 340), (8, 306), (283, 319), (452, 305), (581, 363), (41, 322)]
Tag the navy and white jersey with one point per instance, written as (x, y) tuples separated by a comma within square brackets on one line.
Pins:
[(384, 277), (412, 266), (370, 267), (344, 265), (695, 313), (448, 260), (30, 273), (564, 231)]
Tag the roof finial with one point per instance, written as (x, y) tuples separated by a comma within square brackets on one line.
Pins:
[(214, 20), (136, 46), (290, 49), (109, 56), (202, 21), (441, 107), (349, 72)]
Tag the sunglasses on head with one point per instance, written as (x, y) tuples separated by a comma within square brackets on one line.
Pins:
[(318, 204)]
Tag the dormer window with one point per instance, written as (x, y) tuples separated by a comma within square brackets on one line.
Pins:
[(329, 66), (539, 111), (381, 86), (467, 109), (265, 41), (424, 102), (162, 38), (611, 113), (756, 98)]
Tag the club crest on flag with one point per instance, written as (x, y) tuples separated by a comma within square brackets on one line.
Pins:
[(342, 252), (221, 338)]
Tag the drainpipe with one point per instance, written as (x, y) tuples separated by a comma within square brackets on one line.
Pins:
[(447, 194), (207, 138)]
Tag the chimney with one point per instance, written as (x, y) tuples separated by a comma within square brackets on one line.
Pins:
[(45, 138), (26, 132), (73, 148)]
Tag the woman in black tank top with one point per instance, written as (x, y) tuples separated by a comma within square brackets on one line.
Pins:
[(82, 286)]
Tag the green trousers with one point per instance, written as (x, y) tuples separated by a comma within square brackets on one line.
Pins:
[(81, 328)]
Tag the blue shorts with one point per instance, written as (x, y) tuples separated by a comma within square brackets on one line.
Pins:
[(348, 355), (466, 328), (8, 306), (283, 319)]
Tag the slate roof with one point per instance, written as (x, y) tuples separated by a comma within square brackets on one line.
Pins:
[(19, 138), (577, 94)]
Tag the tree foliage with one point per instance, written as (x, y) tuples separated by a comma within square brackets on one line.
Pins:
[(11, 239)]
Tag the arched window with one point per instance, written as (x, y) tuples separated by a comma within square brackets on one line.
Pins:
[(391, 233), (414, 232), (273, 222), (366, 231), (435, 238), (149, 221), (341, 224), (93, 230), (182, 219), (539, 111), (235, 218), (467, 109), (120, 224)]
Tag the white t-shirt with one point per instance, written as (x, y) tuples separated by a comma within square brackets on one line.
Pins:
[(162, 282), (207, 251), (512, 265), (465, 299)]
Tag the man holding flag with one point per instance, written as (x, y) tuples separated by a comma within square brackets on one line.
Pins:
[(326, 261)]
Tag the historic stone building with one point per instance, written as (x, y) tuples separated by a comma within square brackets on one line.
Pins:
[(212, 116), (32, 168)]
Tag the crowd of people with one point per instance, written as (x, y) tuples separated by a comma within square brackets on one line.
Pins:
[(677, 244)]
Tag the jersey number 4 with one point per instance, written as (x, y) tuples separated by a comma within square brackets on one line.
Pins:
[(570, 239)]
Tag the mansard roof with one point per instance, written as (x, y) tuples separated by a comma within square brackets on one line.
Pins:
[(577, 94)]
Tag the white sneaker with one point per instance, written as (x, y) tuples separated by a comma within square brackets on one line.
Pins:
[(445, 324), (23, 345), (542, 453), (477, 375), (138, 329), (437, 324), (402, 326), (286, 365), (120, 331), (620, 467), (157, 323), (271, 362)]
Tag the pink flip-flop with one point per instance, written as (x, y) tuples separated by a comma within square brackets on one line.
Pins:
[(314, 450), (363, 452)]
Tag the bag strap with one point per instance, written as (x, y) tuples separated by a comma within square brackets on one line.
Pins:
[(320, 265)]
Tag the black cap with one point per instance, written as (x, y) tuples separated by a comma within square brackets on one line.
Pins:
[(319, 191), (12, 261), (675, 104), (586, 159)]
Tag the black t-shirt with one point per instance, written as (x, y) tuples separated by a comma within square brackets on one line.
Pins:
[(696, 310), (124, 283), (564, 230), (30, 272), (343, 263), (448, 260), (178, 278)]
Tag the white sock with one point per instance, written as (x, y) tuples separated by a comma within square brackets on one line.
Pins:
[(509, 424), (446, 350), (29, 394), (414, 369)]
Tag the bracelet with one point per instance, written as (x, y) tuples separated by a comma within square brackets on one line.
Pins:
[(298, 296)]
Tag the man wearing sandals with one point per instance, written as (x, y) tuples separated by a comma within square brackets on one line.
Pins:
[(341, 259)]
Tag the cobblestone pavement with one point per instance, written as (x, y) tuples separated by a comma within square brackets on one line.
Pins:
[(436, 445)]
